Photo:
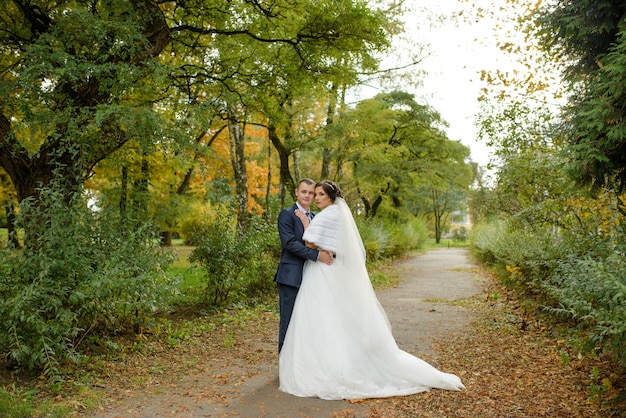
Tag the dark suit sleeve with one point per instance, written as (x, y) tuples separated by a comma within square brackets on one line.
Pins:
[(291, 235)]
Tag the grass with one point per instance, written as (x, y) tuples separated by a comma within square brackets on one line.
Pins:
[(16, 402), (12, 406)]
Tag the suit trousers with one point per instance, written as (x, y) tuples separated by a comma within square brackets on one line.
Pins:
[(286, 301)]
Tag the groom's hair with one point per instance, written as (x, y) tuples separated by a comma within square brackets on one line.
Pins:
[(305, 180)]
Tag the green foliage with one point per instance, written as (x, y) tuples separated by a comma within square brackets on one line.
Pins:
[(580, 277), (532, 253), (190, 223), (544, 235), (590, 36), (581, 30), (592, 290), (391, 142), (384, 239), (82, 273), (236, 263), (598, 136), (460, 234)]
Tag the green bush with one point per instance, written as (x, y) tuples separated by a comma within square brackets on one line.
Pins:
[(376, 239), (409, 235), (260, 274), (460, 234), (81, 272), (237, 264), (191, 222), (578, 276), (593, 292), (531, 253), (389, 239)]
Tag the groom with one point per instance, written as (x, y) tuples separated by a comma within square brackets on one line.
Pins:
[(294, 253)]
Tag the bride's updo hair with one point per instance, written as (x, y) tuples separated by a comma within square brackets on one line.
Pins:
[(331, 189)]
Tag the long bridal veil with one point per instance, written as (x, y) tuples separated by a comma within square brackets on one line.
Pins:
[(349, 242), (353, 274)]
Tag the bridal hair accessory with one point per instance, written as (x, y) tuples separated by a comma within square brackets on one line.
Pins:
[(331, 188), (330, 184)]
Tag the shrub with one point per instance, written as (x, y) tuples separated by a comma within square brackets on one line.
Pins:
[(80, 273), (460, 234), (376, 239), (579, 276), (389, 239), (236, 263), (593, 292), (260, 272), (533, 253), (191, 222)]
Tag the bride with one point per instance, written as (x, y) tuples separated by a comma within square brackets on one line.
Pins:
[(339, 343)]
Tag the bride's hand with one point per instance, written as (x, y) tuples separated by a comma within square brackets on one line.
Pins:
[(301, 215)]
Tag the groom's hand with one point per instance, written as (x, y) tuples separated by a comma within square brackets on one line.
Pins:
[(325, 257)]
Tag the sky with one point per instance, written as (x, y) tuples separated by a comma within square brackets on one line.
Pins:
[(459, 49)]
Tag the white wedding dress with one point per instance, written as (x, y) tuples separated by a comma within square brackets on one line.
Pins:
[(339, 343)]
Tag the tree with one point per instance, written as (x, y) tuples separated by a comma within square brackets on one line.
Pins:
[(391, 144), (443, 188), (591, 36), (442, 203), (236, 129), (81, 80), (72, 86)]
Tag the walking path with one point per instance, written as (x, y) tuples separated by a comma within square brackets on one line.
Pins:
[(419, 310)]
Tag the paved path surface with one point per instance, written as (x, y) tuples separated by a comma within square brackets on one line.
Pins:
[(418, 309)]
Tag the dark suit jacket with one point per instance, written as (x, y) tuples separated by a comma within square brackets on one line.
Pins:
[(294, 252)]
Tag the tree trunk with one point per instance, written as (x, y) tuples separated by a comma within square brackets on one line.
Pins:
[(47, 168), (296, 166), (288, 140), (166, 238), (236, 130), (330, 119), (437, 215), (140, 186), (268, 189), (375, 206), (367, 206), (286, 180)]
